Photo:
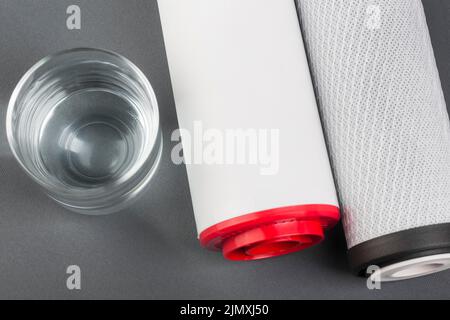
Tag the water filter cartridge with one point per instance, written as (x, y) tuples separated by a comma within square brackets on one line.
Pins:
[(388, 131), (240, 78)]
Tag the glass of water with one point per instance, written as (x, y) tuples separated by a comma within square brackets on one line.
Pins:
[(84, 124)]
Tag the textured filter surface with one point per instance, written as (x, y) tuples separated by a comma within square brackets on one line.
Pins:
[(383, 111)]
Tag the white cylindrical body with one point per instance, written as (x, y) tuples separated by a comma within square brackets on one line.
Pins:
[(240, 66), (388, 130)]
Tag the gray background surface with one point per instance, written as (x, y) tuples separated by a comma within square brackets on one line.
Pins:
[(150, 250)]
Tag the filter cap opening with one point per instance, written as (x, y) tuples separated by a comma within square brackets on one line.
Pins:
[(413, 268), (270, 233), (273, 240)]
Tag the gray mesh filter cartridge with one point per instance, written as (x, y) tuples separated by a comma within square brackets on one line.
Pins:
[(387, 127)]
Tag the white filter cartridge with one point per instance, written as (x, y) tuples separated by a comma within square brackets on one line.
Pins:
[(388, 131), (257, 164)]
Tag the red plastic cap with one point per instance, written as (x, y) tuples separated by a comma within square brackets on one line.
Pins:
[(271, 233)]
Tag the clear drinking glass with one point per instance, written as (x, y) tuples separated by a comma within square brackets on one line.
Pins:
[(84, 124)]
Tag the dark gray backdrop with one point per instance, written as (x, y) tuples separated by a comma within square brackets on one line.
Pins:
[(151, 250)]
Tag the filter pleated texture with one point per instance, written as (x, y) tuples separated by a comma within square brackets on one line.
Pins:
[(383, 112)]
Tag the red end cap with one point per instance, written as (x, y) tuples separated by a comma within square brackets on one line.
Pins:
[(270, 233)]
